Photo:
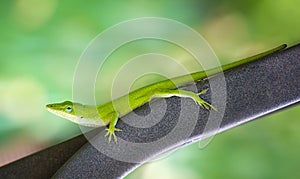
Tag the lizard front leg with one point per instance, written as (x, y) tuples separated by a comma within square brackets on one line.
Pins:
[(111, 129)]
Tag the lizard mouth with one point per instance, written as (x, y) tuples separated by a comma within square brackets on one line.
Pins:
[(81, 120)]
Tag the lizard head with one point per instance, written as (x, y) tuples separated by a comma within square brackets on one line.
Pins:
[(64, 109), (78, 113)]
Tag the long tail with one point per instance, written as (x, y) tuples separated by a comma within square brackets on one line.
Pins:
[(203, 74)]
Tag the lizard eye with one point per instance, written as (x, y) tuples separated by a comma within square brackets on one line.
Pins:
[(69, 109)]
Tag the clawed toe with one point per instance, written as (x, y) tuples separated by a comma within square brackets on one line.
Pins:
[(111, 133)]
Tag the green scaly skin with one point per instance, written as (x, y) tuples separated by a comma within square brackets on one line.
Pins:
[(109, 113)]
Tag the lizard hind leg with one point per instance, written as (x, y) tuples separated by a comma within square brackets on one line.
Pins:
[(166, 93)]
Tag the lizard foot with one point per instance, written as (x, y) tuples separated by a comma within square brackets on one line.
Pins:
[(111, 133)]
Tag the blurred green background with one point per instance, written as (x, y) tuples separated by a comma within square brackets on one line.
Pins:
[(42, 40)]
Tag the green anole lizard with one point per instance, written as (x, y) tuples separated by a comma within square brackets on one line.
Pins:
[(109, 113)]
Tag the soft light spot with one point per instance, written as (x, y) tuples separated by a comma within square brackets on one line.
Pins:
[(226, 33), (164, 169), (32, 14), (22, 100)]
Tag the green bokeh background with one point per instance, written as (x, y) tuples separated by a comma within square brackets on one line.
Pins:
[(42, 40)]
